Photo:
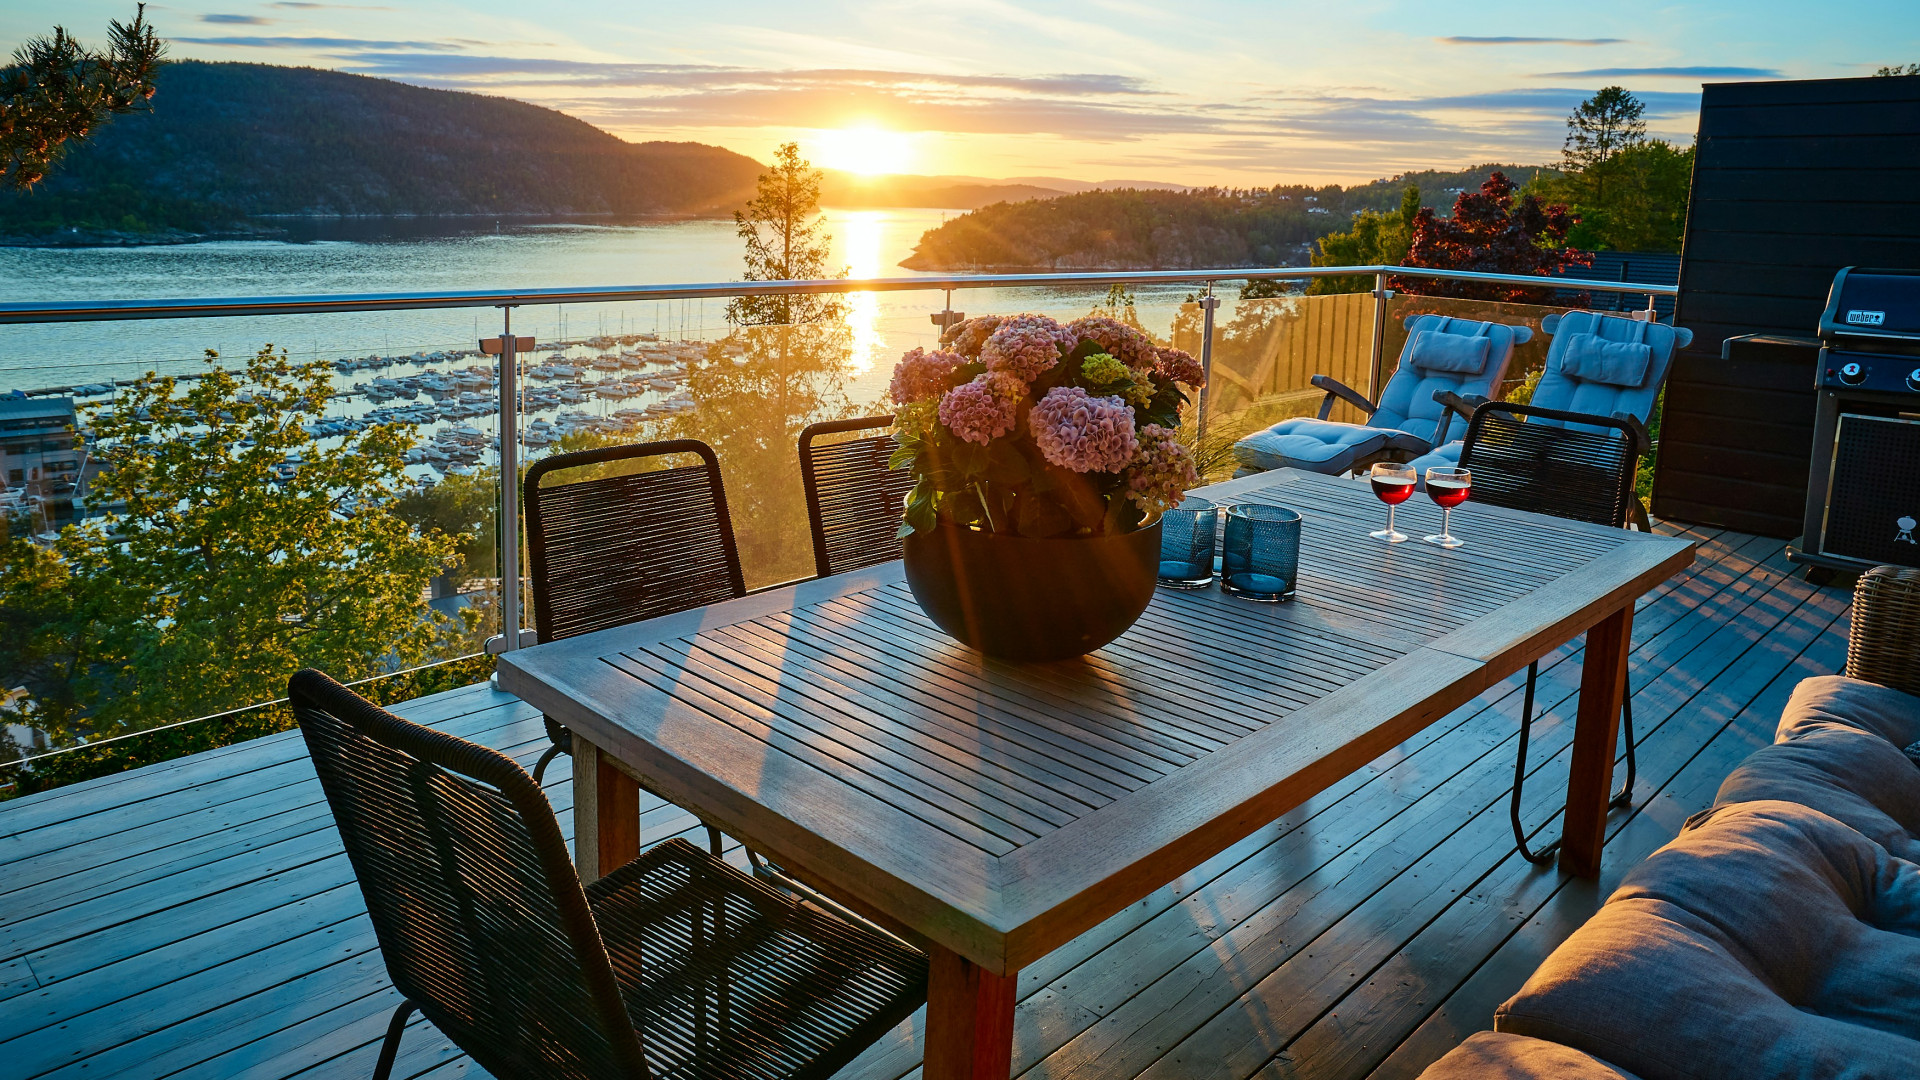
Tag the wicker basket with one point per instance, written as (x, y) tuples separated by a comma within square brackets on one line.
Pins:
[(1883, 645)]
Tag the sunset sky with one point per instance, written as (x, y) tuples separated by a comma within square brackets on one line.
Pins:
[(1250, 92)]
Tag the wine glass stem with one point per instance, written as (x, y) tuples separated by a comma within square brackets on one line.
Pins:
[(1446, 521), (1389, 517)]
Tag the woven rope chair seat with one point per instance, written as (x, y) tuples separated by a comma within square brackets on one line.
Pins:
[(726, 977)]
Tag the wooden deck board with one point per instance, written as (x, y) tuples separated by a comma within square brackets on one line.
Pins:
[(198, 917)]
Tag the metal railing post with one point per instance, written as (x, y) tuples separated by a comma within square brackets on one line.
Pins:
[(1208, 302), (1381, 294), (508, 348)]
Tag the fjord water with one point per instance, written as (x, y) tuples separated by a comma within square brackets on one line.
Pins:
[(870, 242)]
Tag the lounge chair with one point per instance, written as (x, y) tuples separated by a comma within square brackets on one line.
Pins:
[(1443, 355), (1587, 373)]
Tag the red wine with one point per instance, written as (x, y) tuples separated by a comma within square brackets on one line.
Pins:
[(1392, 490), (1447, 493)]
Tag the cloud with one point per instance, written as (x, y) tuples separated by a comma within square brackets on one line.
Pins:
[(314, 43), (236, 20), (1464, 40), (303, 5), (586, 73), (1665, 73)]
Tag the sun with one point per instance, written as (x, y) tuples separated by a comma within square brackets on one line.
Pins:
[(866, 150)]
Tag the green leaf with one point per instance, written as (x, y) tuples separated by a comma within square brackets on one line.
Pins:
[(1006, 464), (919, 514)]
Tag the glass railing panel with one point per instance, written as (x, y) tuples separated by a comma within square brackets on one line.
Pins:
[(315, 493), (1266, 352)]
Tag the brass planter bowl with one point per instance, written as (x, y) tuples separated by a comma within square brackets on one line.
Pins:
[(1018, 598)]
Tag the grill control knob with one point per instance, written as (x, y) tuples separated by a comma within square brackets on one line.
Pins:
[(1913, 379), (1852, 374)]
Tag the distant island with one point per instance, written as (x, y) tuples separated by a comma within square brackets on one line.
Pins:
[(1198, 228), (231, 147)]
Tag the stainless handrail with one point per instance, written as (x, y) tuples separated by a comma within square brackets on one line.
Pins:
[(218, 307)]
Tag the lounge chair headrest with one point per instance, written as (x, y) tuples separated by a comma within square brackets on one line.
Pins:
[(1592, 358), (1433, 350)]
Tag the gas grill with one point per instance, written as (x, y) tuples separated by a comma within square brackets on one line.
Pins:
[(1863, 491)]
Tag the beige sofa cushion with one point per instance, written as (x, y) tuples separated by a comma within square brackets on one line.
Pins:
[(1838, 749), (1490, 1055), (1770, 941)]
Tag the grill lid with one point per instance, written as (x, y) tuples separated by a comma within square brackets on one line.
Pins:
[(1873, 307)]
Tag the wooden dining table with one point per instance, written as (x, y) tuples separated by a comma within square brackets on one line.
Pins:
[(991, 811)]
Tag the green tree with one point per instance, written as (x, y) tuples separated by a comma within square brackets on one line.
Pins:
[(1628, 192), (57, 91), (1602, 126), (786, 241), (1899, 69), (463, 508), (1375, 239), (220, 570)]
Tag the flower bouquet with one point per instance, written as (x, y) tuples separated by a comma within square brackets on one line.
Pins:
[(1021, 426), (1042, 457)]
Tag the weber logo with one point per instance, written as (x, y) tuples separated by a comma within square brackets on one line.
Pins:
[(1866, 318)]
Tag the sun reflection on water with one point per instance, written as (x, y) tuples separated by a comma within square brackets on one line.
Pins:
[(862, 233)]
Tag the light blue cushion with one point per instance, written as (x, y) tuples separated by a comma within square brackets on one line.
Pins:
[(1564, 389), (1406, 402), (1434, 351), (1322, 446), (1595, 359)]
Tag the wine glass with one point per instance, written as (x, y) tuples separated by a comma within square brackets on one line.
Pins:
[(1392, 484), (1447, 488)]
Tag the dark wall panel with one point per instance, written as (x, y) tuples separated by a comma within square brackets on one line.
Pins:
[(1793, 181)]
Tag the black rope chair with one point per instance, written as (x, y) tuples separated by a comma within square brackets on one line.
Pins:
[(611, 549), (1581, 472), (854, 501), (486, 929)]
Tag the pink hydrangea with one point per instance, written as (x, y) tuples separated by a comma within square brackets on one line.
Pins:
[(984, 409), (921, 374), (966, 338), (1162, 471), (1180, 366), (1125, 343), (1078, 431), (1026, 346)]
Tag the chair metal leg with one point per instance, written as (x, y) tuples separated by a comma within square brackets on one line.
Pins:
[(562, 740), (1624, 797), (540, 767), (1545, 854), (713, 840), (390, 1047)]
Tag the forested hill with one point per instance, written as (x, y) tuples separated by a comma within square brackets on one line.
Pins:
[(1174, 230), (227, 144)]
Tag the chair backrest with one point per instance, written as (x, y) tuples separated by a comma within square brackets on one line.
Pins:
[(854, 501), (1528, 458), (610, 550), (1406, 402), (1566, 389), (479, 913)]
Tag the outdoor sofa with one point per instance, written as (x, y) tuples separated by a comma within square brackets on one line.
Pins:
[(1779, 934)]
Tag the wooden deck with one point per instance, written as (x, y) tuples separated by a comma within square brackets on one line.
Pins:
[(198, 918)]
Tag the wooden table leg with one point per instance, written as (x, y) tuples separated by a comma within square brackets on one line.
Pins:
[(1603, 690), (969, 1020), (606, 813)]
